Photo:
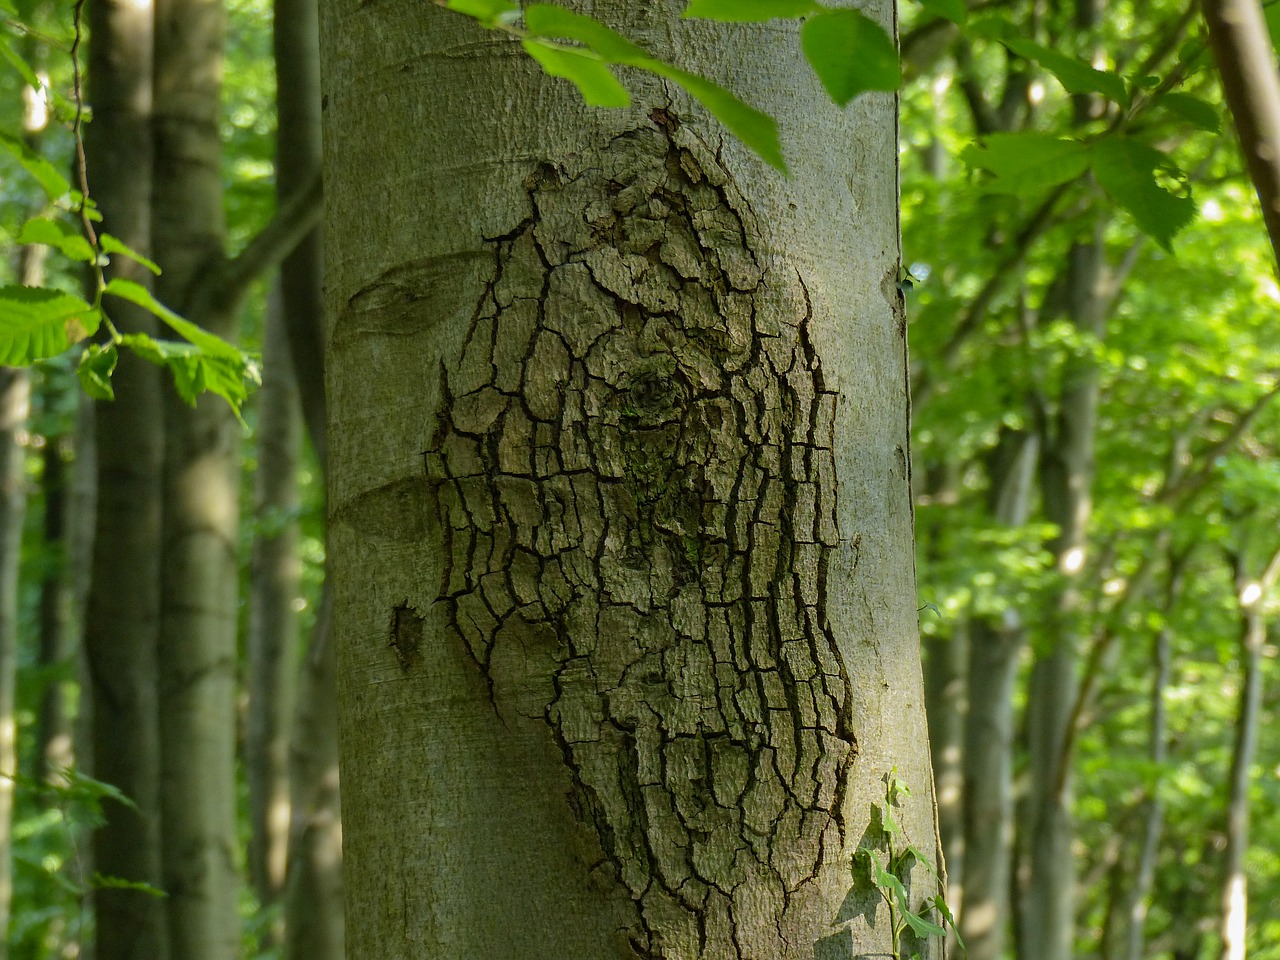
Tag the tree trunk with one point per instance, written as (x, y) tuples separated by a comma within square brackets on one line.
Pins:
[(122, 612), (273, 620), (1066, 478), (621, 667), (198, 625), (15, 397), (313, 895), (994, 651)]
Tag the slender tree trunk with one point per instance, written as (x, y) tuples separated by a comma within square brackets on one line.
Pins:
[(273, 620), (994, 652), (198, 623), (314, 928), (1138, 897), (1246, 63), (1253, 634), (1066, 477), (122, 615), (15, 396), (621, 666)]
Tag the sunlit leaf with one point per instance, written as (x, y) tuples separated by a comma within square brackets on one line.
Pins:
[(1076, 76), (60, 235), (756, 129), (94, 370), (745, 11), (112, 244), (488, 12), (954, 10), (1200, 113), (1127, 170), (20, 65), (37, 323), (1025, 162), (591, 75), (921, 926), (552, 22), (850, 53), (46, 174)]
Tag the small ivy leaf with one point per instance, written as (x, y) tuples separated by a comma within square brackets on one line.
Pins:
[(850, 53), (756, 129), (750, 11), (37, 323), (552, 22), (45, 173), (1127, 169), (954, 10), (491, 13), (591, 75), (60, 235), (1076, 76), (111, 244), (94, 370), (1025, 162), (1200, 113)]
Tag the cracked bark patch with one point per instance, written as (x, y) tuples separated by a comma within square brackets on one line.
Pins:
[(634, 477)]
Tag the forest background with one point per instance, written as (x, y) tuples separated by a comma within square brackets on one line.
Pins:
[(1094, 360)]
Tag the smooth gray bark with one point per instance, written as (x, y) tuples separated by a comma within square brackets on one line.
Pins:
[(122, 614), (197, 657), (275, 583), (621, 668)]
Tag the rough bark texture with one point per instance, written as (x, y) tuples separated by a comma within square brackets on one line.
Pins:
[(122, 615), (620, 504), (199, 608)]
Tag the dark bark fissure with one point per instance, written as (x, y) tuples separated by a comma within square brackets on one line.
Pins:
[(634, 479)]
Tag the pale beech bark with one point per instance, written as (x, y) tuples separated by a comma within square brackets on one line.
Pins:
[(122, 614), (198, 611), (619, 501)]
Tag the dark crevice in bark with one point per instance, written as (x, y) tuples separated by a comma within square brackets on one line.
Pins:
[(633, 472)]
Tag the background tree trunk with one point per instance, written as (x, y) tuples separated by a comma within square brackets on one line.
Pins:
[(123, 606), (620, 674), (199, 606)]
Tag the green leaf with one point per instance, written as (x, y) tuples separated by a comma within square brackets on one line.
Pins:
[(1025, 162), (24, 69), (850, 53), (921, 927), (1075, 75), (94, 370), (1127, 170), (37, 323), (7, 7), (204, 363), (51, 181), (546, 20), (489, 12), (591, 75), (954, 10), (1200, 113), (112, 244), (750, 11), (756, 129), (104, 882), (60, 235)]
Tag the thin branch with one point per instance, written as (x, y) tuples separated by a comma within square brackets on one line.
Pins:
[(299, 215)]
